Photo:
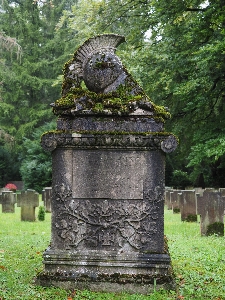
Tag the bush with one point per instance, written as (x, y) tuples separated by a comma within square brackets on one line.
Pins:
[(36, 166), (12, 187), (180, 179), (41, 213)]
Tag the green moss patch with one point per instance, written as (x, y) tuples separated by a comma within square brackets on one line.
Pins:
[(119, 102), (191, 218), (215, 228)]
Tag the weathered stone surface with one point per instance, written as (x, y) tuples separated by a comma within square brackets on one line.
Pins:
[(8, 200), (47, 198), (211, 208), (112, 124), (188, 206), (167, 199), (199, 190), (175, 200), (108, 181), (28, 201)]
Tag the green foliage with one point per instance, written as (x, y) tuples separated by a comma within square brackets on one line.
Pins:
[(9, 166), (197, 262), (191, 218), (120, 101), (41, 213), (180, 179), (36, 168), (176, 51), (27, 84), (215, 228)]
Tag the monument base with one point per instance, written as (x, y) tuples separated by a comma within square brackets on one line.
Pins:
[(107, 272)]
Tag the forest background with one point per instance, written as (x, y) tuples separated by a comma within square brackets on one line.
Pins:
[(175, 50)]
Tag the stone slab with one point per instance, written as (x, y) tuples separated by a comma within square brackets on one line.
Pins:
[(211, 206)]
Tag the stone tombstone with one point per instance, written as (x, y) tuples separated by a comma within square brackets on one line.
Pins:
[(187, 201), (108, 158), (175, 201), (8, 200), (199, 190), (167, 199), (210, 207), (222, 191), (47, 198), (28, 200)]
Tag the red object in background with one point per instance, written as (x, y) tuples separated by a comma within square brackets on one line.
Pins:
[(11, 187)]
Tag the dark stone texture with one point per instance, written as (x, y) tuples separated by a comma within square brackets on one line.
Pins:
[(47, 198), (187, 200), (107, 189), (211, 207), (111, 124)]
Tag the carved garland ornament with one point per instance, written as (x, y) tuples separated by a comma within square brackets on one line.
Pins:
[(102, 223), (51, 141)]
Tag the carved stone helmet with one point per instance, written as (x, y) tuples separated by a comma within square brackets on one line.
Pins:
[(101, 70), (96, 63)]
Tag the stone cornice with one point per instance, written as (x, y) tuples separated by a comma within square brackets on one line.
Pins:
[(129, 141)]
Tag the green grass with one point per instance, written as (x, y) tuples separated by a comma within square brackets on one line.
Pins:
[(198, 262)]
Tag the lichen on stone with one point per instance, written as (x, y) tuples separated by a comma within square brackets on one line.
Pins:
[(109, 87)]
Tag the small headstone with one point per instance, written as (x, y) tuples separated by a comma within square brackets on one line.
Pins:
[(199, 190), (210, 207), (47, 198), (175, 201), (189, 188), (222, 191), (209, 190), (167, 199), (8, 200), (28, 201), (188, 206)]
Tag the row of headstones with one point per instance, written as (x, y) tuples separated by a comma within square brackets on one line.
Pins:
[(28, 200), (208, 203)]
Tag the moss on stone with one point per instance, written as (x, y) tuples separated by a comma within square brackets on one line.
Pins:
[(215, 228), (120, 102), (93, 132), (191, 218)]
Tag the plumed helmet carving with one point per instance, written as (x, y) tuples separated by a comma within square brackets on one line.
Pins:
[(96, 63)]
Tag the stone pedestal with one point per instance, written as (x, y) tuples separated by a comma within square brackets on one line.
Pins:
[(108, 206)]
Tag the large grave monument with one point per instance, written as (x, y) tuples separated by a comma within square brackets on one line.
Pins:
[(108, 156)]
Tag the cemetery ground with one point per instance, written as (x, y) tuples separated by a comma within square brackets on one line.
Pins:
[(198, 262)]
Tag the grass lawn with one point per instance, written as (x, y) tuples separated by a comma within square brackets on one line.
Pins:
[(198, 262)]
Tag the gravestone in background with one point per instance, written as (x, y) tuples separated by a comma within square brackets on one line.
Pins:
[(47, 198), (28, 200), (211, 208), (167, 198), (199, 190), (188, 208), (8, 200), (175, 201), (108, 157)]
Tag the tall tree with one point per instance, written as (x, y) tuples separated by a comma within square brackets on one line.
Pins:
[(27, 83), (28, 93), (178, 47)]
